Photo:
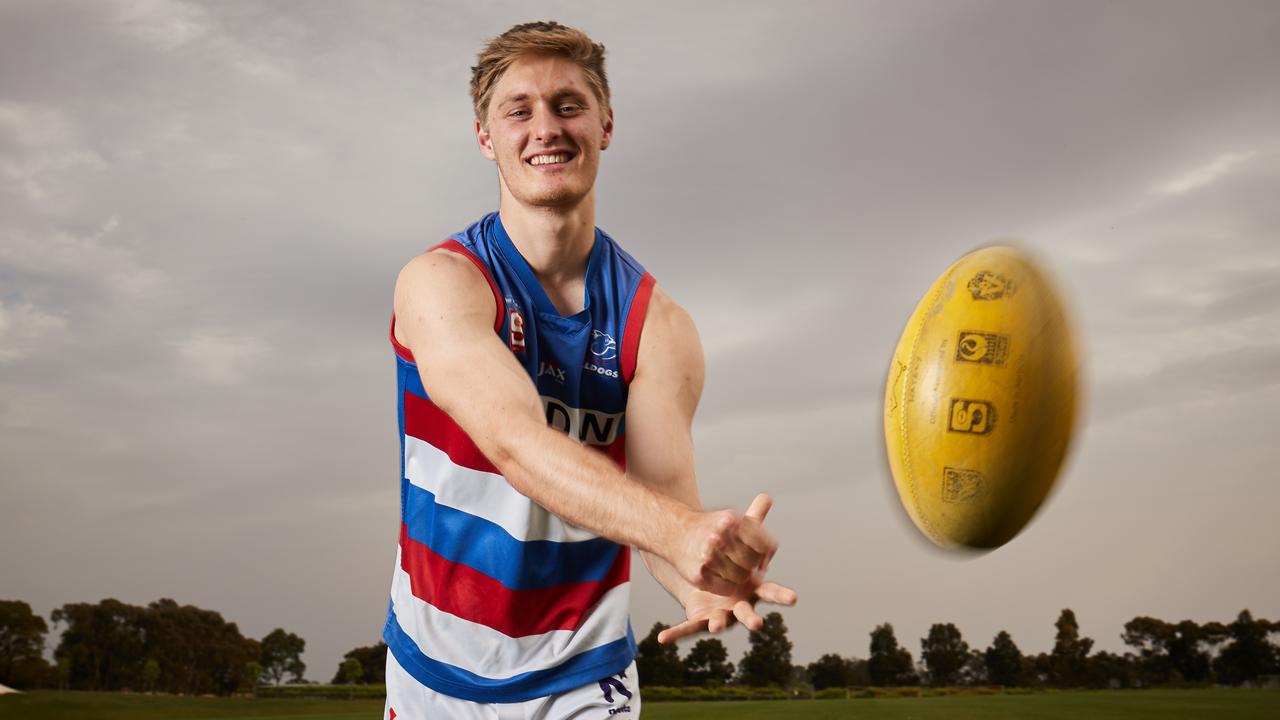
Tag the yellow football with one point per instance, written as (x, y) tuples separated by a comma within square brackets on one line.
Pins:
[(980, 401)]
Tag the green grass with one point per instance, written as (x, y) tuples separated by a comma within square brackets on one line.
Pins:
[(1100, 705), (52, 705)]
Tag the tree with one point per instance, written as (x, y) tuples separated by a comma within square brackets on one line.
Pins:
[(1037, 670), (1187, 654), (251, 677), (707, 664), (373, 662), (889, 664), (831, 670), (1250, 653), (859, 674), (1150, 638), (658, 664), (150, 674), (103, 644), (200, 652), (768, 662), (1069, 659), (974, 671), (64, 673), (1004, 661), (351, 674), (1171, 652), (22, 663), (944, 653), (282, 653), (1108, 670)]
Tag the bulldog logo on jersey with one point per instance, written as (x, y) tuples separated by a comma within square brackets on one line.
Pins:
[(603, 345)]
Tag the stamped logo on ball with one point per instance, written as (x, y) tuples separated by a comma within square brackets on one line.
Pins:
[(975, 417), (982, 348), (960, 485), (987, 285)]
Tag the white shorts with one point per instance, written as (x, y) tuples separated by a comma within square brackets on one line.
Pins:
[(616, 696)]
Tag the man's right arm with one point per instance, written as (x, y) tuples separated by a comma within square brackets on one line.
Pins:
[(444, 314)]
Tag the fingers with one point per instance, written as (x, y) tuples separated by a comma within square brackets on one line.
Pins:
[(718, 621), (684, 629), (774, 593), (724, 554), (713, 582), (760, 541), (760, 507), (733, 550), (752, 533), (747, 615), (736, 561)]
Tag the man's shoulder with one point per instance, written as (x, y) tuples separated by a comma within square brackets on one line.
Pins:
[(443, 277), (670, 351), (441, 269), (664, 309)]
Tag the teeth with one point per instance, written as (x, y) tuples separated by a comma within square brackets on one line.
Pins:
[(549, 159)]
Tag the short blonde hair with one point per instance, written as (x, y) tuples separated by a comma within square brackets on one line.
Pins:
[(536, 38)]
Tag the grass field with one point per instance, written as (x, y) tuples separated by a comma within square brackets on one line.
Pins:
[(1163, 704)]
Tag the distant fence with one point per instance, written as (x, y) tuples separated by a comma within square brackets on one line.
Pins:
[(324, 692)]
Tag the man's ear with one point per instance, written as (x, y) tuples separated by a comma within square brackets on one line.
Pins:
[(608, 131), (484, 141)]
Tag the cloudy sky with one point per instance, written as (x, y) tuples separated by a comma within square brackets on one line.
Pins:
[(203, 208)]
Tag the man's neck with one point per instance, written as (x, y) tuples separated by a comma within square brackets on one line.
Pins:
[(555, 241)]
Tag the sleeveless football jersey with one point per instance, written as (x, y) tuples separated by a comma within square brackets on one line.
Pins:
[(494, 599)]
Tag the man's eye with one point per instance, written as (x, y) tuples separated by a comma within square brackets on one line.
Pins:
[(570, 108), (519, 113)]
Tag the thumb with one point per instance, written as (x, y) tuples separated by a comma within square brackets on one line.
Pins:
[(760, 507)]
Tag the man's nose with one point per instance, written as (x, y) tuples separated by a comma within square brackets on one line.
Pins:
[(548, 126)]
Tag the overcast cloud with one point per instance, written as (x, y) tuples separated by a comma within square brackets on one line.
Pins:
[(203, 208)]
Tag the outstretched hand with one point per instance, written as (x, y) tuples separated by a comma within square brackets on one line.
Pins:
[(711, 612)]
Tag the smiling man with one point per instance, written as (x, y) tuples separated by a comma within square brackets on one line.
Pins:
[(547, 390)]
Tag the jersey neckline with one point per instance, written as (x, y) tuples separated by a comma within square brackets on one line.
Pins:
[(541, 301)]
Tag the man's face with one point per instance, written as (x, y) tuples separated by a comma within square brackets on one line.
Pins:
[(545, 129)]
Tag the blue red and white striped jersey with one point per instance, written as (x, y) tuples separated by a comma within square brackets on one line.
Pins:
[(495, 599)]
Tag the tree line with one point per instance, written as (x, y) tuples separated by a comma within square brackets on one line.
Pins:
[(1163, 653), (172, 648), (163, 647)]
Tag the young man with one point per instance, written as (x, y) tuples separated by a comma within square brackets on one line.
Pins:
[(547, 388)]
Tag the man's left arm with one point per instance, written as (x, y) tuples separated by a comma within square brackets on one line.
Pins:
[(661, 402)]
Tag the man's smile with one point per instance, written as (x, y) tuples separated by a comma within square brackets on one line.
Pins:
[(553, 159)]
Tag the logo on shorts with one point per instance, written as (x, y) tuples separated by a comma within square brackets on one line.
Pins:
[(603, 345), (982, 348), (611, 683)]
